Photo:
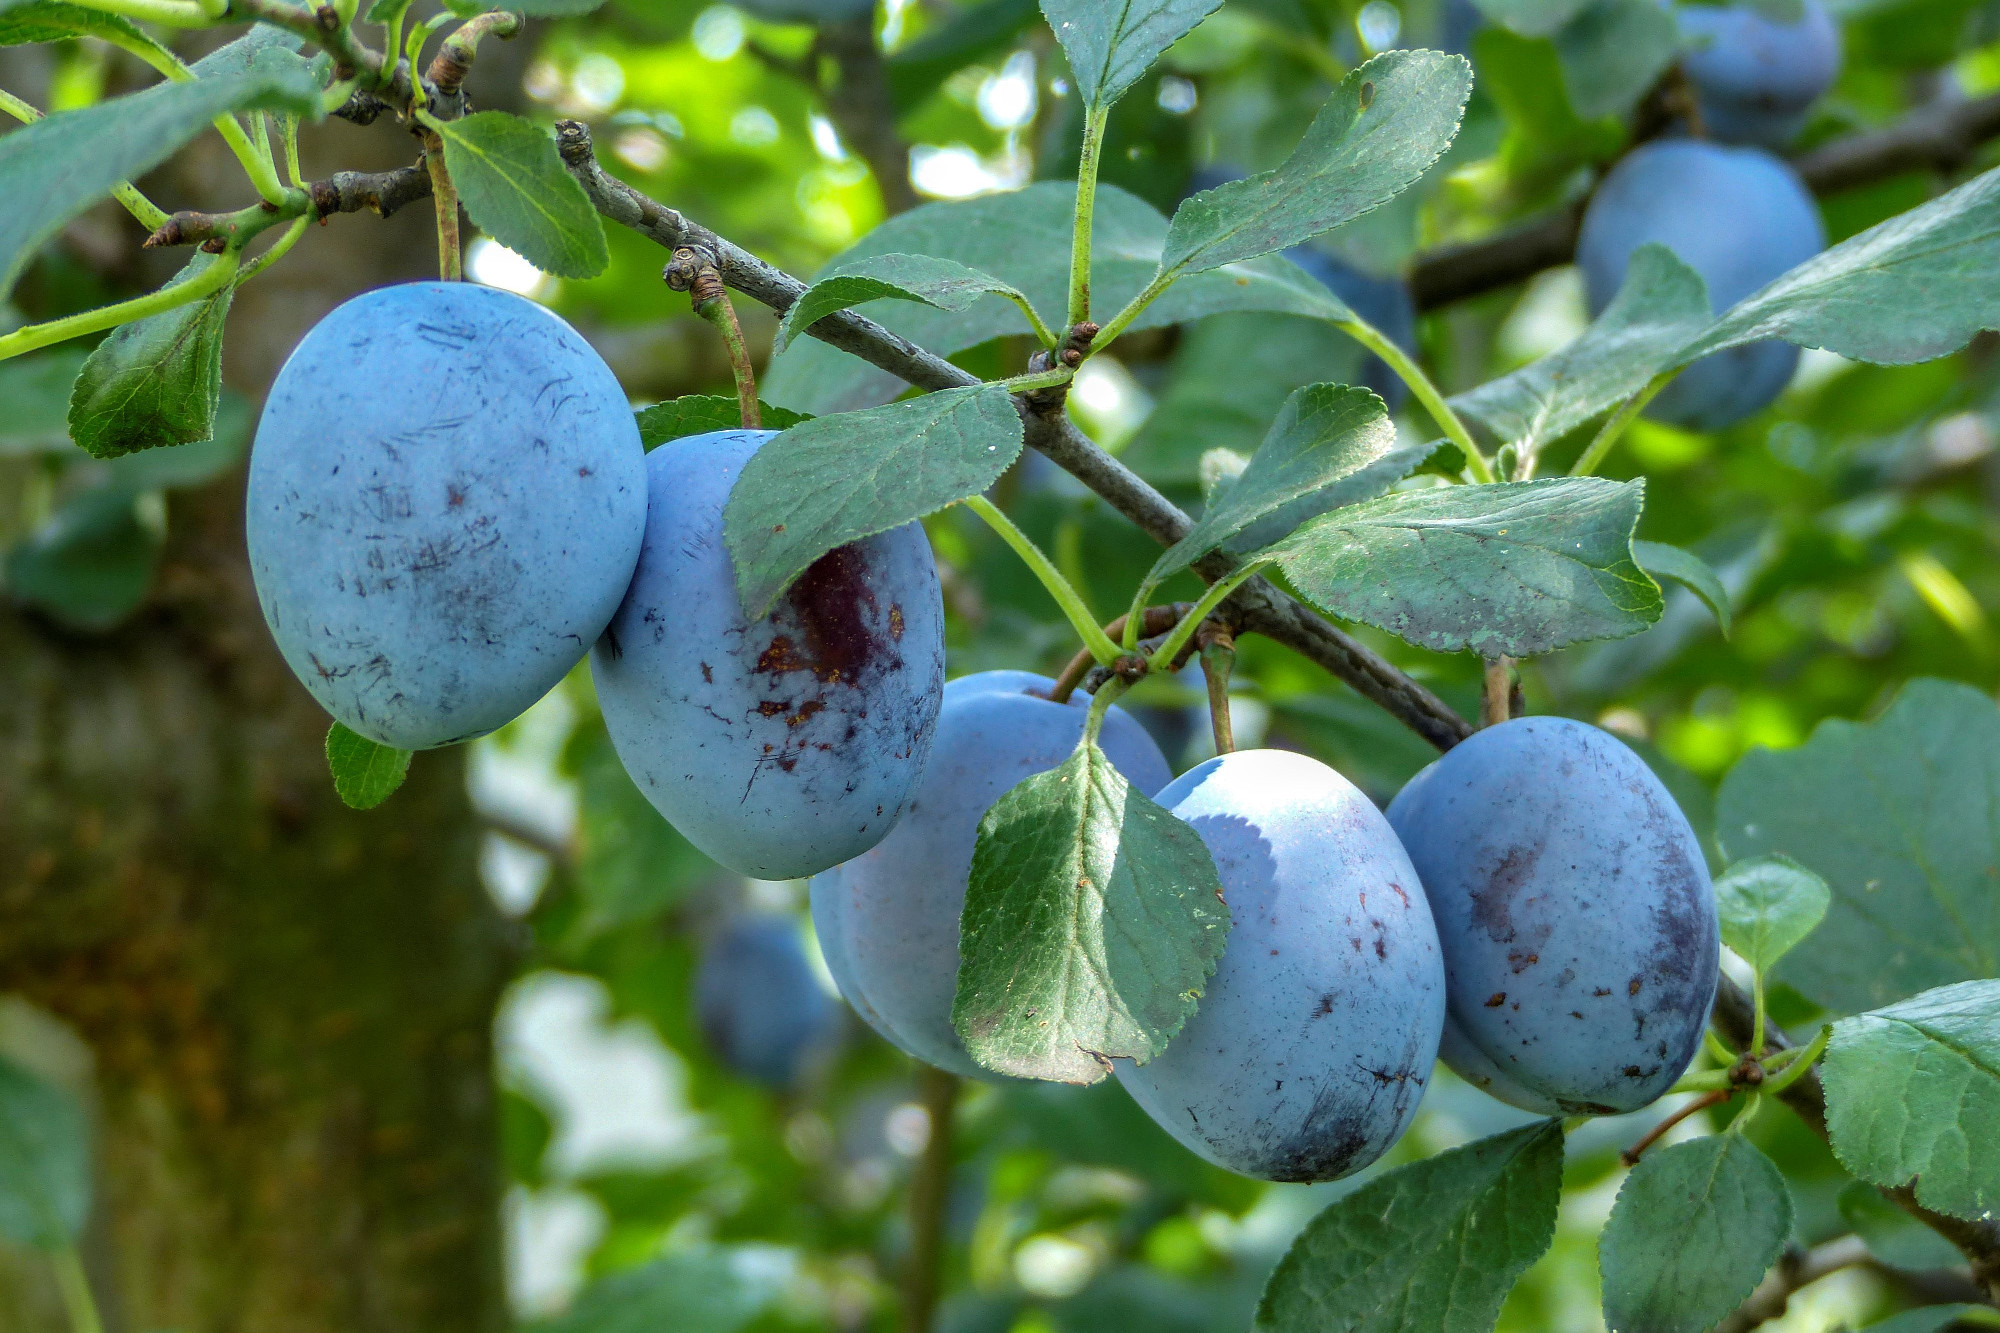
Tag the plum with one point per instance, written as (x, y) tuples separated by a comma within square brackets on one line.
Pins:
[(1756, 78), (893, 912), (1737, 216), (1574, 907), (1312, 1047), (759, 1005), (782, 747), (447, 495)]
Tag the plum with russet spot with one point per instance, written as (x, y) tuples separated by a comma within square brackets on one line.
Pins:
[(1313, 1043), (786, 745), (446, 500), (1574, 906), (893, 912), (759, 1004)]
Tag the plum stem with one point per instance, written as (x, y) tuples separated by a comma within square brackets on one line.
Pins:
[(694, 271), (1632, 1155), (1066, 596), (1218, 659), (1086, 205), (1218, 592), (451, 264), (930, 1191), (1496, 701), (1157, 620)]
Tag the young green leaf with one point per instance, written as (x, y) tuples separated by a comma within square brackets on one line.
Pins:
[(44, 1161), (156, 381), (944, 284), (1913, 1092), (516, 188), (52, 170), (703, 414), (1111, 43), (365, 773), (688, 1291), (55, 21), (1690, 571), (1514, 569), (1613, 51), (1767, 905), (1092, 921), (1661, 306), (1435, 1245), (1695, 1228), (1892, 1235), (1896, 815), (36, 390), (1382, 129), (91, 564), (1914, 288), (834, 480)]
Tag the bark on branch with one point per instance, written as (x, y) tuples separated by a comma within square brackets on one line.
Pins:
[(1257, 607)]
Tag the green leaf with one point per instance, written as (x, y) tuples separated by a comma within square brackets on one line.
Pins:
[(631, 863), (1892, 1235), (92, 563), (386, 11), (44, 1161), (1514, 569), (1897, 816), (1914, 288), (1913, 1093), (1695, 1228), (52, 170), (1767, 905), (1093, 918), (1931, 1318), (1690, 571), (1384, 126), (964, 37), (36, 392), (692, 1291), (514, 185), (834, 480), (1023, 239), (156, 381), (1323, 451), (1531, 18), (195, 464), (55, 21), (1614, 51), (251, 51), (704, 414), (1661, 306), (944, 284), (553, 9), (1111, 43), (1433, 1246), (365, 774)]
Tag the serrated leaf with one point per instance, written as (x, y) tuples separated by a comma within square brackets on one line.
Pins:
[(1613, 51), (1914, 288), (704, 414), (52, 170), (1515, 569), (1093, 918), (1023, 238), (514, 185), (944, 284), (1897, 816), (1913, 1093), (834, 480), (1111, 43), (365, 773), (1690, 571), (690, 1291), (1768, 904), (44, 1161), (1382, 129), (1662, 305), (1325, 437), (156, 381), (91, 564), (54, 21), (1892, 1235), (36, 391), (1695, 1228), (1531, 18), (1433, 1246)]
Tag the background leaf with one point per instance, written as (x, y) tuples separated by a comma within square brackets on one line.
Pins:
[(704, 414), (1531, 18), (833, 480), (1690, 571), (1613, 52), (1092, 921), (1514, 569), (943, 283), (1767, 904), (1892, 1235), (632, 864), (36, 390), (44, 1161), (91, 564), (1110, 43), (1435, 1245), (1695, 1228), (1913, 1092), (689, 1292), (1896, 816), (156, 381), (516, 188), (365, 773)]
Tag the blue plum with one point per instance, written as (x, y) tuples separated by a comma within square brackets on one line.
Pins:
[(759, 1005), (446, 498), (1576, 915), (1737, 216), (892, 913), (782, 747), (1311, 1049), (1756, 78)]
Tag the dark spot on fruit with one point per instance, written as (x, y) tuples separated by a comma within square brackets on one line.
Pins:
[(1602, 991), (453, 496), (1493, 906), (1633, 989), (1522, 960), (805, 713), (895, 620), (773, 708), (1495, 1000), (1325, 1003), (583, 472), (1397, 889), (831, 605), (707, 674)]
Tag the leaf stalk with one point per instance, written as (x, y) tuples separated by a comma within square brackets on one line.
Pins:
[(1095, 639)]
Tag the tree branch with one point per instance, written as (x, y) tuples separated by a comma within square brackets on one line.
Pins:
[(1940, 137), (1257, 606), (1978, 1241), (1796, 1270)]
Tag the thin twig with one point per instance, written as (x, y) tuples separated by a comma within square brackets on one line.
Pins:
[(1158, 620), (930, 1192), (1796, 1270), (1632, 1154)]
